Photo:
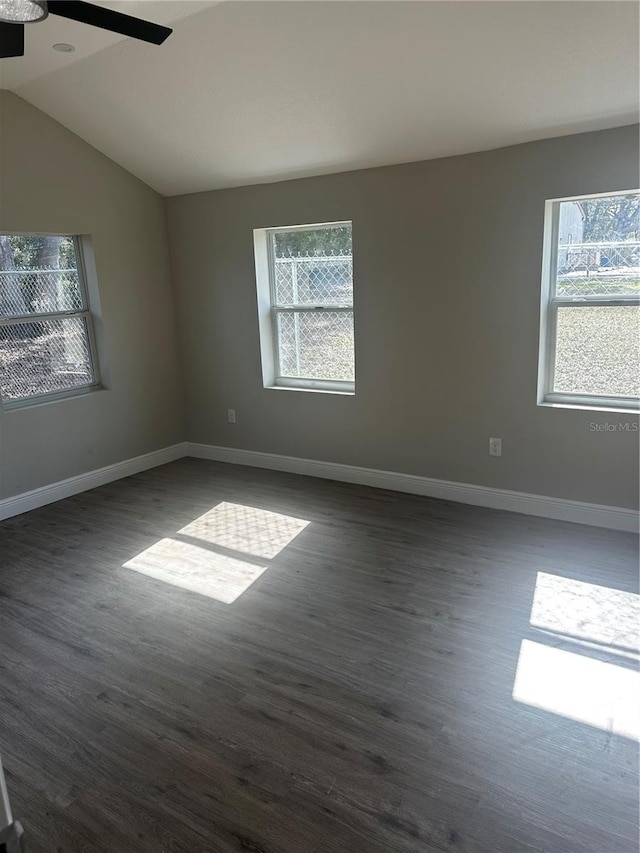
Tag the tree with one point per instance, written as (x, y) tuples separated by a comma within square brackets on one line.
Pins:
[(37, 253), (611, 218), (48, 258), (27, 247), (48, 253), (11, 298), (323, 241)]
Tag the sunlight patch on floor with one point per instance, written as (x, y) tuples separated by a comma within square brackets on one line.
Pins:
[(246, 529), (579, 687), (583, 662), (198, 569), (220, 554), (586, 610)]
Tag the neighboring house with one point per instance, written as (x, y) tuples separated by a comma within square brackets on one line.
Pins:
[(570, 231), (571, 224)]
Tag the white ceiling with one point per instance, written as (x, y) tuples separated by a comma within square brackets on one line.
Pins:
[(246, 92)]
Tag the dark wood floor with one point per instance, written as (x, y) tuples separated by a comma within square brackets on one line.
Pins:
[(357, 697)]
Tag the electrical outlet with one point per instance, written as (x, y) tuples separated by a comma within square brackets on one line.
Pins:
[(231, 416), (495, 447)]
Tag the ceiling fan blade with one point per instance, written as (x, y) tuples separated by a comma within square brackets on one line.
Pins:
[(11, 40), (106, 19)]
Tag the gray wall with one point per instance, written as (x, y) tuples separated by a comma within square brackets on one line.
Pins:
[(447, 264), (51, 181)]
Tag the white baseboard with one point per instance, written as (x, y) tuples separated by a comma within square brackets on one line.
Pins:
[(615, 518), (83, 482)]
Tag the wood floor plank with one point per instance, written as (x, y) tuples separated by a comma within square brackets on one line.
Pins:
[(357, 696)]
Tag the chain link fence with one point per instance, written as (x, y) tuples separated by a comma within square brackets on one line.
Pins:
[(42, 356), (598, 269), (314, 280), (315, 343), (24, 292)]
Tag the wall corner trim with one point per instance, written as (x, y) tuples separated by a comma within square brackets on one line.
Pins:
[(560, 509), (90, 480)]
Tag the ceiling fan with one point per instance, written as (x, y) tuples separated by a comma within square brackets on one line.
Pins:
[(14, 14)]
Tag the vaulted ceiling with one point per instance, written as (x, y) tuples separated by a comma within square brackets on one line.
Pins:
[(246, 92)]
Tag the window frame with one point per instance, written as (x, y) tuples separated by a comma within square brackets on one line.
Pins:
[(551, 302), (85, 314), (268, 317)]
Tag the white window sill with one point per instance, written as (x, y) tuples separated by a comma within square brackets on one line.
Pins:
[(584, 407), (309, 389), (47, 400)]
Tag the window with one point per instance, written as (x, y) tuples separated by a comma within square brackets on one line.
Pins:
[(590, 318), (305, 305), (46, 334)]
